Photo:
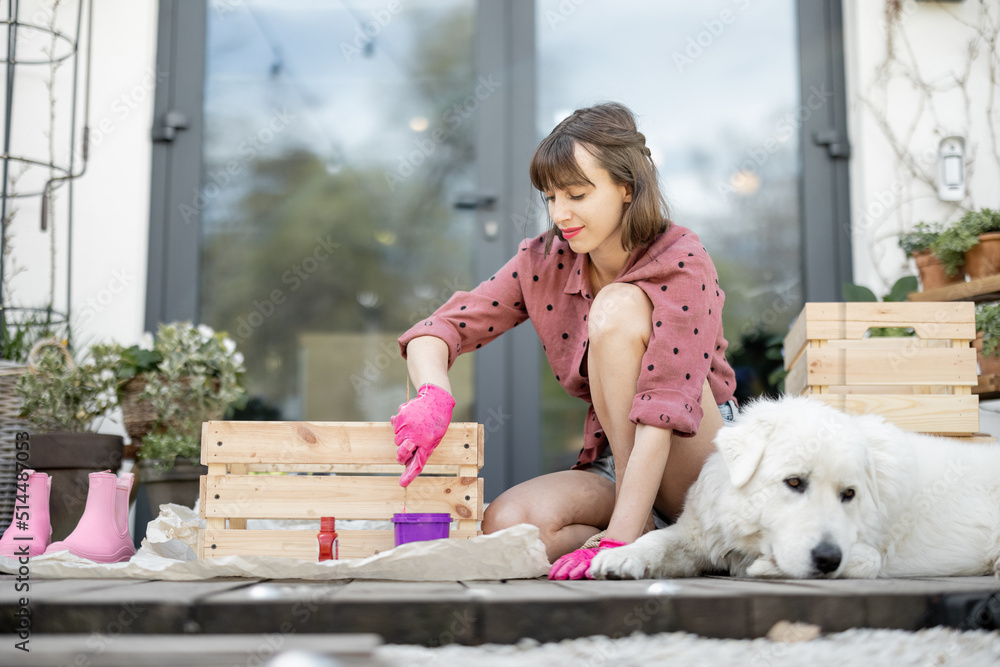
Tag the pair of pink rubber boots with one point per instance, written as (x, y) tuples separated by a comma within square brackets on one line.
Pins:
[(102, 534)]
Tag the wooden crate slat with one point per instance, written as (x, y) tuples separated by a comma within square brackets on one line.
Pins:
[(939, 389), (914, 412), (888, 343), (795, 341), (358, 443), (796, 381), (344, 497), (351, 468), (882, 314), (856, 330), (877, 367), (302, 544)]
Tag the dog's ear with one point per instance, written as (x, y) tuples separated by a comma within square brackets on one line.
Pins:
[(871, 480), (876, 433), (742, 448)]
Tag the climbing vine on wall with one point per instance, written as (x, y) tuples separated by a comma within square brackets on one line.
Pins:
[(931, 102)]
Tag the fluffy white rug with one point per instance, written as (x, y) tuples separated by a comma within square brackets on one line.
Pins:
[(935, 646)]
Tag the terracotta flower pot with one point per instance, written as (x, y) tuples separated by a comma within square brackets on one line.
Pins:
[(983, 259), (987, 365), (932, 273)]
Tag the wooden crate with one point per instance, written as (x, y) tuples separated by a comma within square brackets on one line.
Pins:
[(255, 472), (920, 384)]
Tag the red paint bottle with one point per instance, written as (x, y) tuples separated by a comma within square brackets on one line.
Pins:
[(329, 544)]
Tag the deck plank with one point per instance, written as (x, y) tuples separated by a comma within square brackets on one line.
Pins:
[(429, 613), (123, 606), (473, 612), (55, 589), (545, 610)]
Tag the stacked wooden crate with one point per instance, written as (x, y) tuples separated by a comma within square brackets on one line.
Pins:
[(308, 470), (920, 383)]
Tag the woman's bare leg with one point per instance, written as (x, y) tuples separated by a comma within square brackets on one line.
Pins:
[(620, 325), (569, 507), (687, 456)]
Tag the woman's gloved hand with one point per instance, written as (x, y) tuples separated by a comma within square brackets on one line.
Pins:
[(420, 424), (576, 564)]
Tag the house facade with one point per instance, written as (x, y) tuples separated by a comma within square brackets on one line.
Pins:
[(313, 177)]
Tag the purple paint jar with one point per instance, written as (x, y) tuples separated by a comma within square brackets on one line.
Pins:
[(417, 527)]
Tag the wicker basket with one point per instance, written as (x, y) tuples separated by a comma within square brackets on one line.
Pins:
[(10, 407), (138, 415), (10, 425)]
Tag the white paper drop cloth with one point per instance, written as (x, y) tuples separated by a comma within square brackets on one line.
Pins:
[(168, 554)]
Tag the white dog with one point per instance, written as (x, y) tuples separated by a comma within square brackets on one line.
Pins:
[(799, 489)]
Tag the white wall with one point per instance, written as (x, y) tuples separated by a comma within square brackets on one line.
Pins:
[(111, 207), (890, 192)]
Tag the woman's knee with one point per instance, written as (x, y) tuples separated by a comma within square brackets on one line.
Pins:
[(620, 310), (503, 513)]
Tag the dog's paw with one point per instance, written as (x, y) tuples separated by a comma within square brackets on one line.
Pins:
[(627, 562), (865, 562), (764, 568)]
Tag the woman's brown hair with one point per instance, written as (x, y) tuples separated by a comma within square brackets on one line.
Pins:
[(609, 133)]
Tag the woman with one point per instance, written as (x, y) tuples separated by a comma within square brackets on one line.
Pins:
[(629, 311)]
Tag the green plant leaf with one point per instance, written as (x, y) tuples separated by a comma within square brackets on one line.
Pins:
[(903, 287), (854, 292)]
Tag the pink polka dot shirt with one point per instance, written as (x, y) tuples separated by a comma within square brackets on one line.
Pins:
[(685, 347)]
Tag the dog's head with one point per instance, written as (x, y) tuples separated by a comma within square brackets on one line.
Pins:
[(803, 477)]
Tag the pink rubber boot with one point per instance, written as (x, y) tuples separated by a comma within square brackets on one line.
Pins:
[(30, 531), (102, 534)]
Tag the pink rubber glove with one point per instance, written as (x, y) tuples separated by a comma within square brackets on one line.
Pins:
[(420, 424), (576, 564)]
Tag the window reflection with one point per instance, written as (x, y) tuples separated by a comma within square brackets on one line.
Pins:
[(715, 87), (335, 139)]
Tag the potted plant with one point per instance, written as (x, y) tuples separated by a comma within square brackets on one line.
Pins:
[(983, 258), (173, 382), (970, 245), (65, 403), (917, 244), (987, 342)]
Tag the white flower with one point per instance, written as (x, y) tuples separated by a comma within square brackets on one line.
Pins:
[(107, 375), (146, 342), (205, 331), (238, 358), (230, 345)]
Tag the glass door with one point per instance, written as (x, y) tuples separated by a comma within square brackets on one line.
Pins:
[(716, 90), (327, 173), (337, 139)]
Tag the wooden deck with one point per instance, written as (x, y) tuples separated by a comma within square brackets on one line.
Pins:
[(66, 613)]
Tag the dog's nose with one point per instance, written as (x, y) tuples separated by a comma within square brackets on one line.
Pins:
[(826, 557)]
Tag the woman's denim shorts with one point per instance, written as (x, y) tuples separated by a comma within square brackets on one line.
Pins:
[(604, 465)]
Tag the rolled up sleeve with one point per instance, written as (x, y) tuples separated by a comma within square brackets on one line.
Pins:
[(687, 317)]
